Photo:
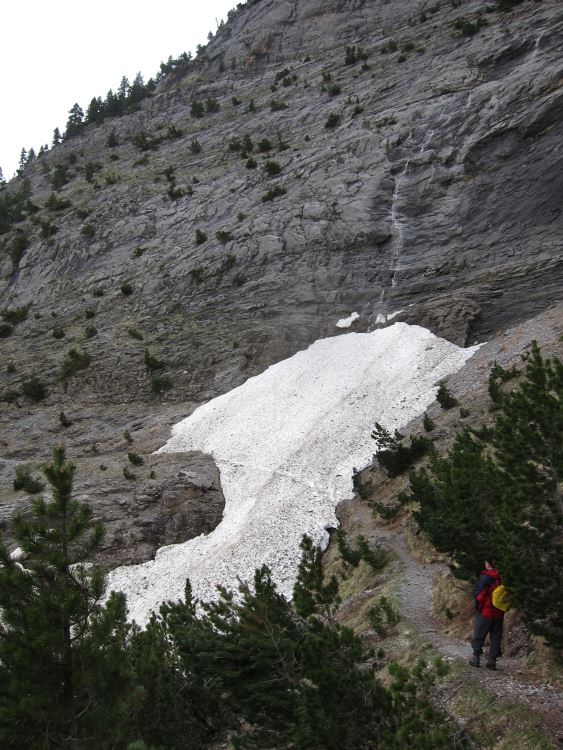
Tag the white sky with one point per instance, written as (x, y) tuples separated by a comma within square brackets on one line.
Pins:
[(54, 54)]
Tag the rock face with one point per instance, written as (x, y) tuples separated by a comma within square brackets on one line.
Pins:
[(164, 500), (427, 178)]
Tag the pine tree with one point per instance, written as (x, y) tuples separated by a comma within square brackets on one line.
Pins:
[(500, 491), (62, 654), (56, 137), (75, 122), (311, 596), (23, 160), (112, 105), (137, 92), (528, 445), (124, 89), (94, 110)]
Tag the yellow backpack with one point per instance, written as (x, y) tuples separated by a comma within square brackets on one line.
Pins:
[(501, 598)]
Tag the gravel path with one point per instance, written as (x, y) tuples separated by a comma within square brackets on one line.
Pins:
[(508, 681)]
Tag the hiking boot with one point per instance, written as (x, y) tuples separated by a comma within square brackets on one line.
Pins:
[(475, 661), (491, 664)]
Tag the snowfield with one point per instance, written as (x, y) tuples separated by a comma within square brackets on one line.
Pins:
[(286, 442)]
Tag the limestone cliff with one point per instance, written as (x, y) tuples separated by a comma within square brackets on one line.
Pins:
[(421, 170)]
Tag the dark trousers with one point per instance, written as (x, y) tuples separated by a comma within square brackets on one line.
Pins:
[(484, 627)]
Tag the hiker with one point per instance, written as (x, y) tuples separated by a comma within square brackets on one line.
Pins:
[(488, 619)]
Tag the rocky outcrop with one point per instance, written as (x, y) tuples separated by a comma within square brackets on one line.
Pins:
[(158, 500)]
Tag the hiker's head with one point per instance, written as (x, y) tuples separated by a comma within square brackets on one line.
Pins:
[(490, 562)]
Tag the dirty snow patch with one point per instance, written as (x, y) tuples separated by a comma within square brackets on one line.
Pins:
[(347, 322), (286, 442)]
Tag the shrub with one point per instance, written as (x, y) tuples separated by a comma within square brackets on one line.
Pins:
[(247, 144), (143, 141), (57, 332), (288, 80), (282, 74), (160, 384), (64, 420), (444, 397), (90, 331), (152, 363), (89, 313), (383, 616), (274, 192), (135, 459), (224, 236), (111, 178), (24, 481), (5, 330), (74, 361), (334, 89), (428, 423), (239, 279), (15, 315), (394, 457), (111, 140), (333, 120), (467, 27), (200, 237), (54, 203), (235, 102), (264, 145), (251, 163), (235, 144), (174, 193), (241, 216), (99, 292), (276, 105), (129, 474), (88, 230), (354, 54), (195, 146), (60, 176), (17, 248), (34, 389), (497, 376), (273, 168), (197, 274), (212, 105), (90, 169), (463, 412), (10, 396), (127, 436), (48, 230), (126, 288), (172, 133), (376, 559)]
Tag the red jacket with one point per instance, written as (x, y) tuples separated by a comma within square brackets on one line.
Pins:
[(487, 582)]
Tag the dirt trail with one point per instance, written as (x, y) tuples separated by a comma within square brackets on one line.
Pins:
[(509, 681)]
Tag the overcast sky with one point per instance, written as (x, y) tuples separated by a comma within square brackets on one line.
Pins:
[(55, 54)]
